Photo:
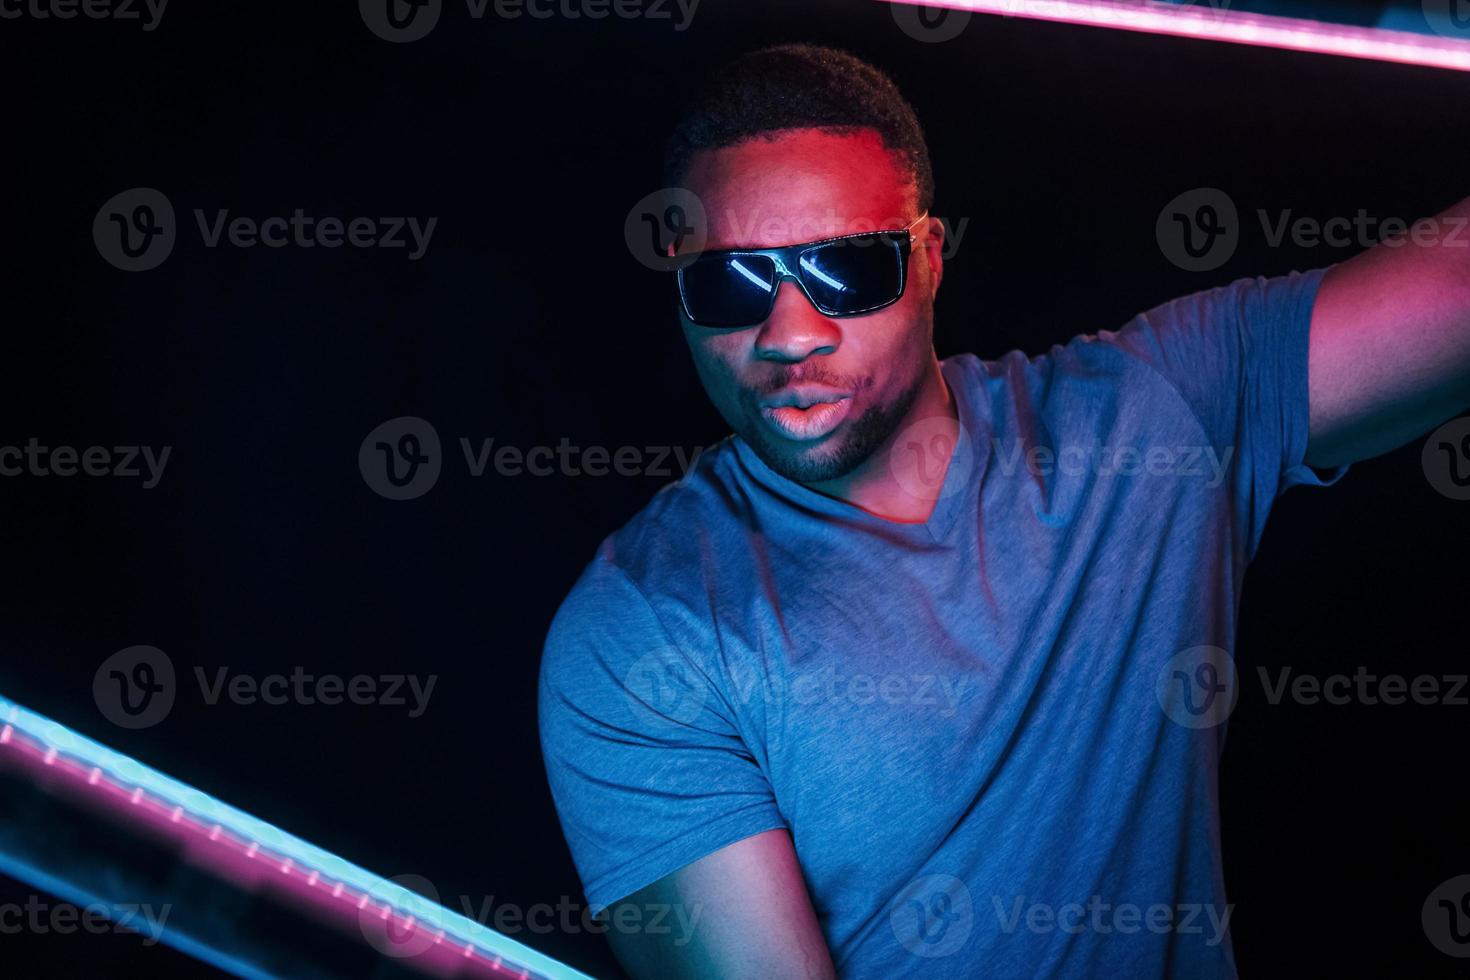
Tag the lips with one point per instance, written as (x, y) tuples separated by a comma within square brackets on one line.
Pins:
[(804, 396), (806, 419)]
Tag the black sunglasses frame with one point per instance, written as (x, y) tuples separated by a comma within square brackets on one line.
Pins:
[(787, 259)]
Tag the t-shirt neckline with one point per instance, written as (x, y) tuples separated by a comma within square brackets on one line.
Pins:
[(957, 489)]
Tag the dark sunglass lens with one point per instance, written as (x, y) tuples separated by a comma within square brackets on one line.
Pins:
[(853, 275), (722, 290)]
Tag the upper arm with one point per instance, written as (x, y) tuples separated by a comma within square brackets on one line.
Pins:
[(741, 912), (1390, 342), (661, 796)]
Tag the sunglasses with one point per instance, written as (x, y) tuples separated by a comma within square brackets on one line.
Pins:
[(845, 276)]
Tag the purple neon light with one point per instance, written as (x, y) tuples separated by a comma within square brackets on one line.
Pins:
[(1218, 24), (245, 861)]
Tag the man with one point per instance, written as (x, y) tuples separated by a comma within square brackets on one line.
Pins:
[(922, 671)]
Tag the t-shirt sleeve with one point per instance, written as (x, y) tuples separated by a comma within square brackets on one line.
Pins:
[(647, 767), (1237, 355)]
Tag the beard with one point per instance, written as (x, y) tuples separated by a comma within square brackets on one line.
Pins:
[(862, 439), (863, 436)]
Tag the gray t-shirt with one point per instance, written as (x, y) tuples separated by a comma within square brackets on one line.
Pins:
[(994, 737)]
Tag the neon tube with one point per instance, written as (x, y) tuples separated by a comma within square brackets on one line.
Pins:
[(225, 835), (1288, 33)]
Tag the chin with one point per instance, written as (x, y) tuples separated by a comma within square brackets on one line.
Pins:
[(832, 458)]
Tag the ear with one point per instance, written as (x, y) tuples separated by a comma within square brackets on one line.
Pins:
[(932, 247)]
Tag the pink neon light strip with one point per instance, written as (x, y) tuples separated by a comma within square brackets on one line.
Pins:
[(246, 859), (1371, 43)]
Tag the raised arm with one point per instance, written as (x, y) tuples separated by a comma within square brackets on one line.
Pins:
[(751, 918), (1390, 342)]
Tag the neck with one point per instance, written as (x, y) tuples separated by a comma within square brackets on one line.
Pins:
[(875, 487)]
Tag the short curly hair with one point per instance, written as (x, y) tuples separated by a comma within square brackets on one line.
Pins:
[(792, 86)]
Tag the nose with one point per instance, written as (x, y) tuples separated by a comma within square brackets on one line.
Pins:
[(795, 329)]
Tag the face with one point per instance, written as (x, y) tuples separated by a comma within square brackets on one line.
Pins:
[(815, 396)]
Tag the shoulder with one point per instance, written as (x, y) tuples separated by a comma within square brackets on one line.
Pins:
[(674, 533), (630, 592)]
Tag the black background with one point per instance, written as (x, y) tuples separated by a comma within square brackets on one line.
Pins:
[(528, 320)]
